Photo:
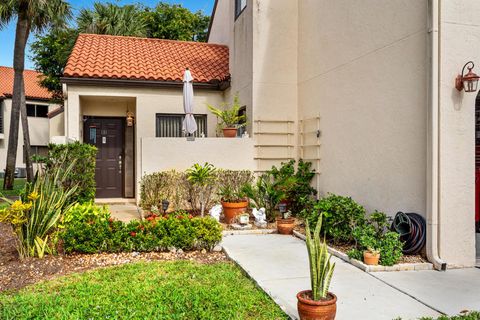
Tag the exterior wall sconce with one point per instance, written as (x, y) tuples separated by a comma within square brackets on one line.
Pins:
[(469, 81), (130, 119)]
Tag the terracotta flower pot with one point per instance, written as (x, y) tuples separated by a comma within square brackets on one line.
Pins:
[(229, 132), (232, 209), (370, 258), (285, 226), (309, 309)]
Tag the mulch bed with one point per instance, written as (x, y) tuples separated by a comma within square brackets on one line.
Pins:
[(16, 274)]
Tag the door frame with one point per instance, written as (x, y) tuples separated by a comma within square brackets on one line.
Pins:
[(85, 120)]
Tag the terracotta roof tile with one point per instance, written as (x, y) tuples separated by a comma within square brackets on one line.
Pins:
[(116, 57), (33, 90)]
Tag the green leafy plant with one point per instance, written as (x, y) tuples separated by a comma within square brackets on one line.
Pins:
[(81, 175), (203, 177), (229, 116), (156, 187), (264, 194), (375, 236), (340, 217), (321, 268), (35, 216), (295, 184)]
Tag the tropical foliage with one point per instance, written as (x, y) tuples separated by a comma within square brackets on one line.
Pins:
[(321, 268), (203, 178), (229, 116), (35, 215)]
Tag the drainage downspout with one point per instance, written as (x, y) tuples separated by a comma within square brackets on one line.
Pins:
[(433, 167)]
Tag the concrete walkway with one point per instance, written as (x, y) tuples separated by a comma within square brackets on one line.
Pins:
[(279, 265)]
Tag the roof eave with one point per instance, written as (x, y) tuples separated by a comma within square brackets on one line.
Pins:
[(213, 85)]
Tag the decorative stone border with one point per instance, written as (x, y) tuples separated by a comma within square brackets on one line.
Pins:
[(367, 268), (226, 233)]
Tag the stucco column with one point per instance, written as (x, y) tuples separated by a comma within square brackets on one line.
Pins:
[(460, 42), (72, 117)]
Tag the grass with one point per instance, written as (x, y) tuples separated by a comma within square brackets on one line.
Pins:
[(18, 185), (155, 290), (473, 315)]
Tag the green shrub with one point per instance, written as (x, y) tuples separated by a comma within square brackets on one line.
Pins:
[(95, 231), (340, 216), (375, 235), (295, 184), (83, 156)]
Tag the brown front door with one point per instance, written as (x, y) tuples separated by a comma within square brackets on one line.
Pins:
[(107, 134)]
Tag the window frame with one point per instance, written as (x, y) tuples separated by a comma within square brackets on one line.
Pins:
[(238, 8), (180, 117), (35, 107)]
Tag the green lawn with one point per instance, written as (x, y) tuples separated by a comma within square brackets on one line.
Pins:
[(156, 290), (18, 185)]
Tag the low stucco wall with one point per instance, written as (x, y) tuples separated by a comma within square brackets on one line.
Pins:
[(160, 154)]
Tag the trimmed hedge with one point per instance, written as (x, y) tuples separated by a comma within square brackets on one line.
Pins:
[(90, 229)]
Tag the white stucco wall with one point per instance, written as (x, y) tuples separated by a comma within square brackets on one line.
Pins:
[(460, 42), (362, 69), (39, 132)]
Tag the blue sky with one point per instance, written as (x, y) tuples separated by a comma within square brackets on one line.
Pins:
[(7, 35)]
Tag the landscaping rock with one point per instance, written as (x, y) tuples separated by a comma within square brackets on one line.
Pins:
[(237, 226), (172, 249), (261, 224), (217, 249), (204, 251), (135, 254), (179, 251)]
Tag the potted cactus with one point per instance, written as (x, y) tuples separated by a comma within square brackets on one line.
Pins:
[(318, 303)]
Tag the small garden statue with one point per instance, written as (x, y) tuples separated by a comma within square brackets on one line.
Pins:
[(216, 211), (260, 217)]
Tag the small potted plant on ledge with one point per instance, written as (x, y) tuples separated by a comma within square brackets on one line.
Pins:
[(230, 118), (371, 256), (318, 303), (285, 223)]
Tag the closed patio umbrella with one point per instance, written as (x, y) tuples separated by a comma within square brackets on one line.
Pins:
[(189, 123)]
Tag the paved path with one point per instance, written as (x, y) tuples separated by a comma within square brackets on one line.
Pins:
[(280, 267)]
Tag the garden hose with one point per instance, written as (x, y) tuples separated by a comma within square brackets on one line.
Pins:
[(412, 229)]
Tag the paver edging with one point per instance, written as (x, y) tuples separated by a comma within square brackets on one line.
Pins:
[(226, 233), (362, 266)]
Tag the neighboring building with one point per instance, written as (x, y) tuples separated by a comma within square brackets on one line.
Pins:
[(365, 90), (370, 88), (38, 107)]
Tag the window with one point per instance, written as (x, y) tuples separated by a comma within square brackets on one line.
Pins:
[(170, 125), (41, 151), (37, 110), (239, 6)]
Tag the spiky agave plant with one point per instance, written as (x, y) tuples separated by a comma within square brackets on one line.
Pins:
[(321, 268)]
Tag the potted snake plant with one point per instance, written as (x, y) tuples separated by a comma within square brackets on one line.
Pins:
[(230, 118), (318, 303)]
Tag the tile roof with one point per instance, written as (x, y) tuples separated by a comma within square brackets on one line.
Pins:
[(117, 57), (33, 90)]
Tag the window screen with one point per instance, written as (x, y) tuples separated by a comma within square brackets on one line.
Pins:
[(170, 125)]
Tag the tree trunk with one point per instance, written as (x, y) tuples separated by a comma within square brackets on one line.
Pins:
[(18, 98), (26, 139)]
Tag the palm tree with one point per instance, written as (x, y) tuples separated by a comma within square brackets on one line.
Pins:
[(32, 16), (112, 19)]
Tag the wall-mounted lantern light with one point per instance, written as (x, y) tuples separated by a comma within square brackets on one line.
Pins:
[(130, 119), (469, 81)]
